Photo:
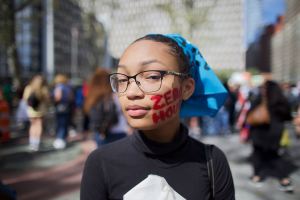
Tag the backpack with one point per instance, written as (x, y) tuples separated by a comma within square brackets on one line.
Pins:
[(64, 105), (210, 169), (33, 101), (104, 115)]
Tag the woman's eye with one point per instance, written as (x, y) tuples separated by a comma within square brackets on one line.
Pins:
[(153, 77), (124, 80)]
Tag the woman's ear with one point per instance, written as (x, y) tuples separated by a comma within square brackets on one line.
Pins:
[(188, 87)]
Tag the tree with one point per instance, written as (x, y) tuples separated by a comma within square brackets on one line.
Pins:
[(193, 16)]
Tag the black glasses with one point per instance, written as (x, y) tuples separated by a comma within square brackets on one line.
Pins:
[(147, 81)]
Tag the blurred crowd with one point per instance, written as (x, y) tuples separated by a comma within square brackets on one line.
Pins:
[(27, 110), (101, 117), (243, 89)]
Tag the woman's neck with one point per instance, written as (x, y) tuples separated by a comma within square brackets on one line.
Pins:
[(164, 133)]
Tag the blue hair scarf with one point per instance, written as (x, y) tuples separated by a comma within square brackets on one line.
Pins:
[(210, 94)]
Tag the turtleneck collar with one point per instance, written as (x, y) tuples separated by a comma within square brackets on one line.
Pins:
[(151, 147)]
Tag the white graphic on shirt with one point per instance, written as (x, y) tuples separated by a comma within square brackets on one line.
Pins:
[(153, 187)]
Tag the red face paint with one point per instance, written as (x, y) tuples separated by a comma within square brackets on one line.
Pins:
[(159, 116), (164, 105), (164, 114), (176, 93), (157, 102)]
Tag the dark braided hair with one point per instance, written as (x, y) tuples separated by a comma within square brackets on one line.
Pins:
[(175, 50)]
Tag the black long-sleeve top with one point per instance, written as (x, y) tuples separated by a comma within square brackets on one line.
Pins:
[(114, 169)]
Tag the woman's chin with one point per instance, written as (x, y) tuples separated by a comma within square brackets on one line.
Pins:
[(147, 123), (142, 124)]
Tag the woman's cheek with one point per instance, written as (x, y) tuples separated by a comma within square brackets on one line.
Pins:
[(166, 105)]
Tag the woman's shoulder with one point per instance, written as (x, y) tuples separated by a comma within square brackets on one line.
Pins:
[(27, 91), (112, 150), (217, 154)]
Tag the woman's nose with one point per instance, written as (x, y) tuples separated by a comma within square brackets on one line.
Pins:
[(133, 90)]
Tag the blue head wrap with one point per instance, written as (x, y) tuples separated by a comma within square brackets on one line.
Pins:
[(210, 94)]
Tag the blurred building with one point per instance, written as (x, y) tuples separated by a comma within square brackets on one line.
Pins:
[(29, 39), (215, 26), (52, 37), (286, 46), (263, 18)]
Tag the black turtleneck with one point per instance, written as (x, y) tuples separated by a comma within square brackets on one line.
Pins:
[(114, 169)]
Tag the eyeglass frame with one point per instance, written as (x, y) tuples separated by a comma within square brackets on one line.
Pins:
[(162, 73)]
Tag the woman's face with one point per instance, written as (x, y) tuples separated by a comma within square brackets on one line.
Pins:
[(147, 111)]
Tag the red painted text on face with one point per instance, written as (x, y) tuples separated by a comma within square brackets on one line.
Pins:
[(166, 105)]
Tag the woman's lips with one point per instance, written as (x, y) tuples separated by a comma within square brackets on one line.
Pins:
[(136, 111)]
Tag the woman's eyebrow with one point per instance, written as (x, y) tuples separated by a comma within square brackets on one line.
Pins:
[(151, 61), (124, 66), (144, 63)]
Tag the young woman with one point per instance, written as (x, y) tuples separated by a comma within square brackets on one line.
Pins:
[(63, 100), (103, 112), (37, 91), (159, 79), (266, 136)]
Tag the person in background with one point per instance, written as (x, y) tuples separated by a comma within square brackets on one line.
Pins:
[(296, 119), (290, 94), (230, 105), (121, 128), (63, 101), (103, 111), (194, 127), (21, 116), (76, 106), (4, 119), (86, 119), (36, 95), (266, 136), (80, 93), (8, 92)]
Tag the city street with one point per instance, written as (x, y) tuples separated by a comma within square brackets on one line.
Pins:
[(56, 175), (64, 64)]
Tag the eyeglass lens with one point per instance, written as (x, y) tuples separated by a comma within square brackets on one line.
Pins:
[(148, 81)]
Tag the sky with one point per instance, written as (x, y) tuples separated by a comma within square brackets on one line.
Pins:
[(271, 9), (261, 13)]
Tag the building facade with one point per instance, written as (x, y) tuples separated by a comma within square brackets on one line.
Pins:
[(215, 26), (263, 20), (29, 39), (51, 38), (286, 46)]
